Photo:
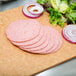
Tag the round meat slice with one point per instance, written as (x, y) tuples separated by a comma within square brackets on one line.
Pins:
[(56, 44), (33, 41), (48, 43), (39, 42), (39, 47), (51, 41), (23, 30)]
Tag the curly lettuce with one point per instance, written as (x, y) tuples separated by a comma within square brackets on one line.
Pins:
[(60, 11)]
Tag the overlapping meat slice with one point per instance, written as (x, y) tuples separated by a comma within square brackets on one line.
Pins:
[(29, 35), (40, 44), (53, 42), (57, 42), (37, 41), (33, 41), (23, 30)]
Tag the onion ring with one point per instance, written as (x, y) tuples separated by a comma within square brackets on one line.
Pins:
[(36, 10), (27, 10), (69, 32)]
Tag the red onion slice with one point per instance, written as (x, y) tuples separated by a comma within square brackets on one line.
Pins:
[(28, 7), (36, 10), (69, 32)]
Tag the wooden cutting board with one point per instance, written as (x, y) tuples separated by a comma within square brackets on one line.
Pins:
[(16, 62)]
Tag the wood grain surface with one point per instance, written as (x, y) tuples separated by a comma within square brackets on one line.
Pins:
[(16, 62)]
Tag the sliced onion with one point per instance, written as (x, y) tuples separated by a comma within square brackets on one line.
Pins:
[(69, 32), (27, 11), (36, 10)]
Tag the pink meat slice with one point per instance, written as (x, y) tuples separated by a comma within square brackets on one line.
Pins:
[(56, 42), (33, 41), (57, 45), (52, 41), (39, 42), (48, 43), (23, 30)]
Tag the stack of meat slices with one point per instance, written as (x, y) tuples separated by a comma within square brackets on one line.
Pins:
[(31, 36)]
